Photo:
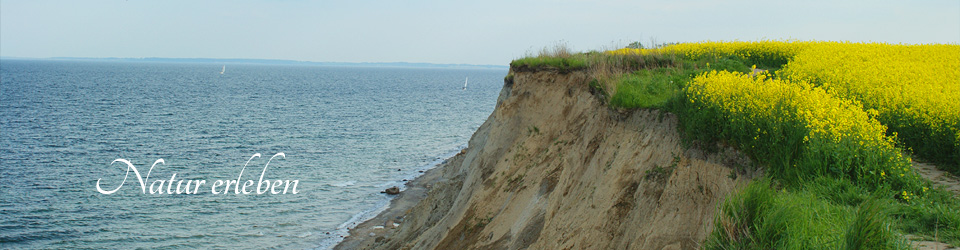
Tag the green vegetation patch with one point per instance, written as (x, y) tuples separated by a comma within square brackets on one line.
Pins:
[(648, 88), (659, 86), (764, 217), (819, 194), (564, 64)]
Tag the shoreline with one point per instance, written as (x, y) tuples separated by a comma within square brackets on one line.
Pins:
[(389, 220)]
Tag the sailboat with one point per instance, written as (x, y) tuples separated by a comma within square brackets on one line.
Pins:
[(224, 69), (465, 83)]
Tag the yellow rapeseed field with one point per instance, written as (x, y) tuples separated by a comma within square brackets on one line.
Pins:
[(766, 51), (839, 137), (833, 123), (914, 88)]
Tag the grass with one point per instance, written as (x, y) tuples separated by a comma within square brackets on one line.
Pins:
[(914, 90), (648, 88), (601, 65), (764, 217), (639, 80), (831, 198), (563, 64), (559, 57), (660, 87), (936, 217)]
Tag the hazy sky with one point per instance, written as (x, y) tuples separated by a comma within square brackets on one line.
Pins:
[(475, 32)]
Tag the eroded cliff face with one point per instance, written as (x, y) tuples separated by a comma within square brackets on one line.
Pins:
[(555, 168)]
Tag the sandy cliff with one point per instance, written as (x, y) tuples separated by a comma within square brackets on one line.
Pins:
[(555, 168)]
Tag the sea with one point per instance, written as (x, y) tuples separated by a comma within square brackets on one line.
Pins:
[(338, 134)]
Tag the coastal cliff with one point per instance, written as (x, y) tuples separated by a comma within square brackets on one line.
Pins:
[(554, 167)]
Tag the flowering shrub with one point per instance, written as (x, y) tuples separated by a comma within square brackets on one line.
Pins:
[(830, 120), (914, 89), (802, 131)]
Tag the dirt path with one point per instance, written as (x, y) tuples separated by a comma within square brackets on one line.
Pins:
[(939, 177), (931, 245)]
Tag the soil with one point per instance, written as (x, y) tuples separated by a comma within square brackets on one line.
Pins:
[(939, 177), (385, 223), (947, 182), (555, 168)]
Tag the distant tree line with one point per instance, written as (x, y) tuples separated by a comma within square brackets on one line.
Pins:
[(639, 45)]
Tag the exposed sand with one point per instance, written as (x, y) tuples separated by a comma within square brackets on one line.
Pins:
[(554, 168), (930, 245), (381, 226), (939, 177)]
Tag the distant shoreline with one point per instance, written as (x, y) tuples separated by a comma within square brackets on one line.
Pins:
[(268, 61)]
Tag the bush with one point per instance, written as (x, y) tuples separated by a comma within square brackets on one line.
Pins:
[(760, 217), (914, 89), (801, 132)]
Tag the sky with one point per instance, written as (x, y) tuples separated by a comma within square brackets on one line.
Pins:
[(470, 32)]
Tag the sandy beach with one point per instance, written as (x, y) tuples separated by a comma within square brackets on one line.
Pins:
[(387, 222)]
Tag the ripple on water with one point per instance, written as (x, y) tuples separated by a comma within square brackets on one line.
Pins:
[(345, 132)]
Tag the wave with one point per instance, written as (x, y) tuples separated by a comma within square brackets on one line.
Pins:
[(335, 237), (343, 184)]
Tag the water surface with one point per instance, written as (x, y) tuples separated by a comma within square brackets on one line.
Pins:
[(345, 133)]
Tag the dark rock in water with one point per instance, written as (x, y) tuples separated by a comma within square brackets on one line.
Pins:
[(392, 190), (421, 171), (404, 179)]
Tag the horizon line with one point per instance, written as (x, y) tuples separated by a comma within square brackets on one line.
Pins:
[(265, 61)]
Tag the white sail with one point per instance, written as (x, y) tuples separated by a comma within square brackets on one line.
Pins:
[(223, 70), (465, 82)]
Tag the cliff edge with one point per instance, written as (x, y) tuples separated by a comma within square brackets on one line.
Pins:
[(555, 168)]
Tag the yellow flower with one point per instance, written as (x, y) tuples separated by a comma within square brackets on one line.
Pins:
[(856, 86)]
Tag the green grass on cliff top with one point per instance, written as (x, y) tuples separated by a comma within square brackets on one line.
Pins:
[(821, 212)]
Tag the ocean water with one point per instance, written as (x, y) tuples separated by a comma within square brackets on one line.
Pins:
[(346, 134)]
